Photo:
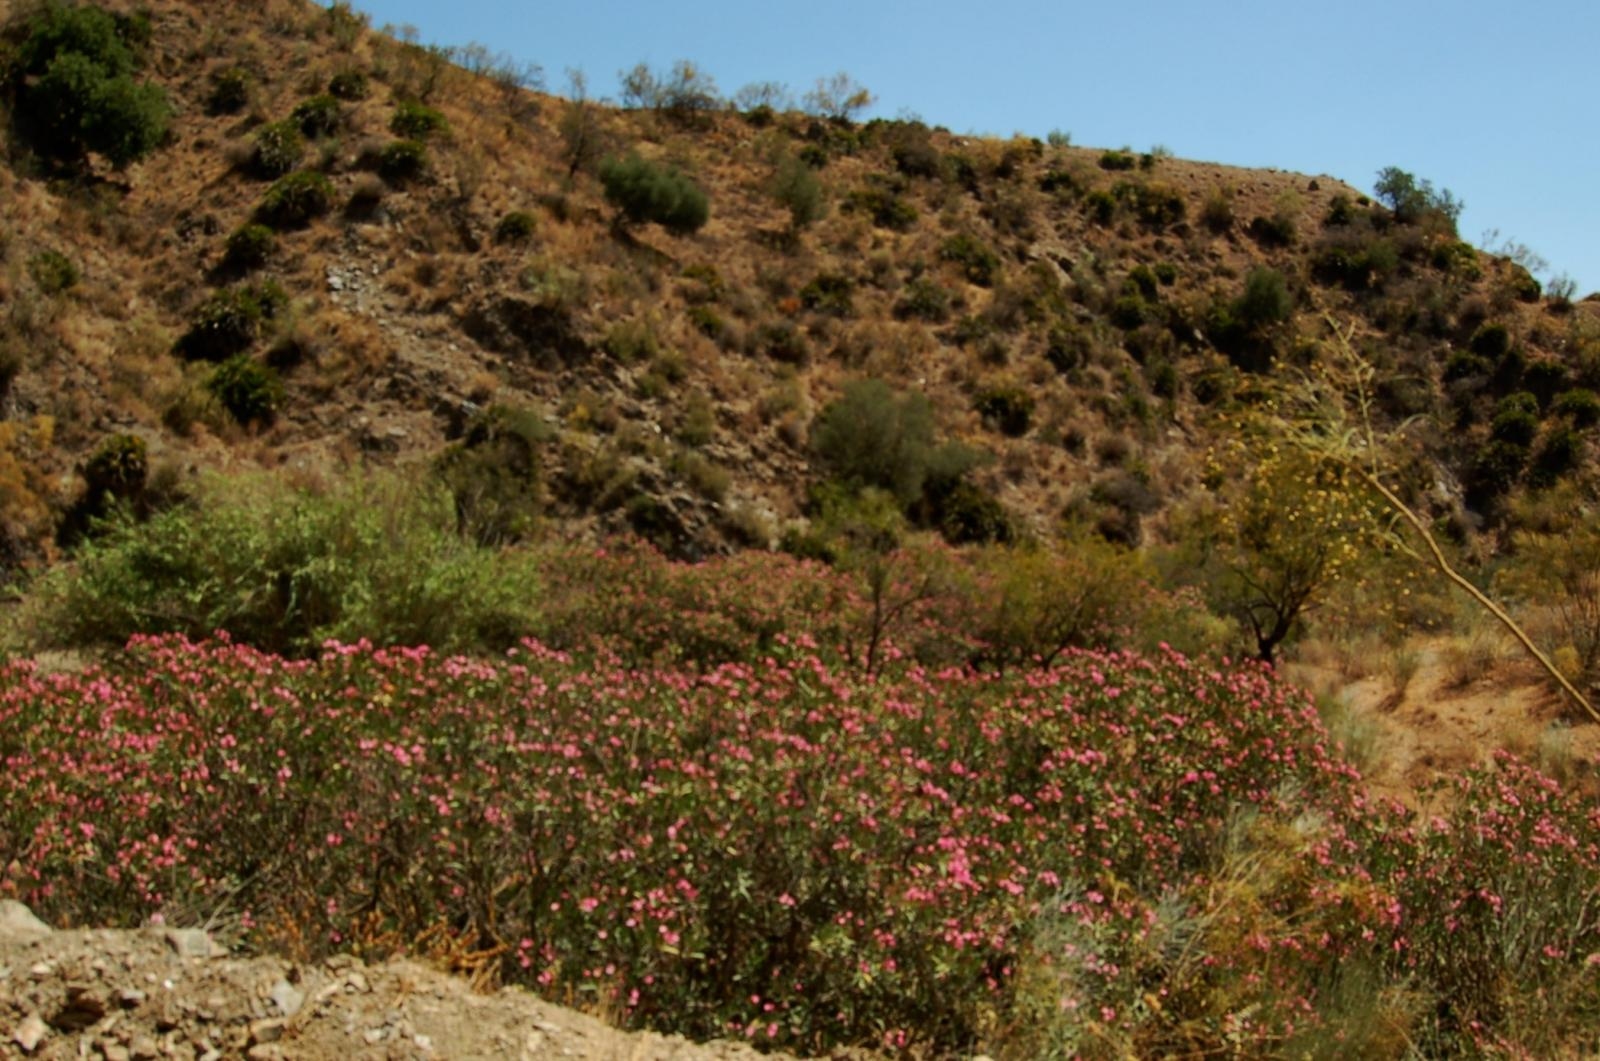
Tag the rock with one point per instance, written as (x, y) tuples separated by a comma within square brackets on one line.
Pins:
[(128, 998), (192, 943), (266, 1031), (144, 1048), (115, 1052), (30, 1032), (83, 1008), (286, 998), (18, 925)]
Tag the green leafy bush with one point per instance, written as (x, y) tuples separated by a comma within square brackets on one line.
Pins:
[(73, 76), (1100, 206), (317, 116), (249, 390), (1558, 453), (1118, 160), (516, 227), (979, 264), (923, 299), (643, 192), (886, 207), (872, 436), (403, 161), (1516, 420), (1492, 340), (1009, 408), (415, 121), (1266, 300), (783, 342), (278, 149), (494, 475), (230, 91), (230, 321), (798, 190), (294, 201), (830, 293), (349, 85), (249, 247), (53, 272), (286, 568), (1580, 405)]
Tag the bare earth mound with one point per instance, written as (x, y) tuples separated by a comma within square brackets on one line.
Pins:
[(160, 993)]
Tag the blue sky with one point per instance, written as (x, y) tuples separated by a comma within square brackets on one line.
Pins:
[(1494, 101)]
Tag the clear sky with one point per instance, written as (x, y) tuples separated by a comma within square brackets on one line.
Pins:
[(1497, 102)]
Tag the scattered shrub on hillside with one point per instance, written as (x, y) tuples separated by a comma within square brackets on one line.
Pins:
[(1118, 160), (248, 389), (317, 117), (230, 321), (1580, 405), (1516, 420), (403, 161), (1266, 300), (278, 149), (1154, 204), (979, 264), (886, 207), (516, 227), (53, 272), (73, 75), (494, 475), (1559, 452), (830, 293), (1359, 265), (839, 98), (1216, 212), (798, 190), (923, 299), (365, 198), (643, 192), (783, 342), (1458, 258), (1275, 230), (1006, 407), (1100, 206), (249, 247), (686, 94), (230, 91), (1495, 469), (1492, 340), (1413, 201), (872, 436), (415, 121), (348, 85), (294, 201)]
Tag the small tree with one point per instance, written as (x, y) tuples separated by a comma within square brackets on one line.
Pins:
[(873, 437), (583, 138), (839, 98), (1412, 200), (643, 191), (73, 78), (796, 188)]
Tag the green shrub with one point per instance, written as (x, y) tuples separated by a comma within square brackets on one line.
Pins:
[(1277, 230), (415, 121), (286, 568), (249, 247), (76, 90), (1141, 280), (1067, 348), (229, 321), (249, 390), (1457, 258), (348, 85), (1216, 213), (317, 117), (53, 272), (515, 227), (783, 342), (1063, 184), (1118, 160), (1491, 340), (829, 293), (887, 208), (644, 192), (1265, 302), (1129, 312), (1580, 405), (1413, 201), (294, 201), (1558, 453), (632, 342), (1523, 286), (118, 467), (1516, 420), (278, 149), (923, 300), (966, 514), (707, 321), (798, 190), (872, 436), (1156, 205), (1463, 364), (1544, 378), (979, 264), (494, 474), (1008, 408), (1495, 469), (230, 91), (1100, 206), (403, 161)]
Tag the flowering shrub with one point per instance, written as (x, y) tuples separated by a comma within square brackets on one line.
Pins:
[(1156, 851)]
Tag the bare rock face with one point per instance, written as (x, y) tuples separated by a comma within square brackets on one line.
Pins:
[(19, 925)]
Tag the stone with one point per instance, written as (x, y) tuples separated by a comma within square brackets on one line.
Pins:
[(30, 1032), (266, 1031), (18, 925), (287, 998), (192, 943)]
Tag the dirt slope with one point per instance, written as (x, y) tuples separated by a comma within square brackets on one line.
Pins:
[(162, 993)]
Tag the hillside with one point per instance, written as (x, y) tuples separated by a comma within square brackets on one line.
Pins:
[(1067, 319)]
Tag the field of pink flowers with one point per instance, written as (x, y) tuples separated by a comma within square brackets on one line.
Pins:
[(1118, 853)]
